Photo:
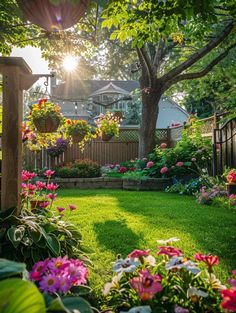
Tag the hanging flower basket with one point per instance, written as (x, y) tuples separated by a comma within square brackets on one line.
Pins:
[(49, 124), (106, 137), (78, 138), (53, 15)]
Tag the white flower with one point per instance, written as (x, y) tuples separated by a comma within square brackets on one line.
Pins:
[(168, 241), (140, 309), (192, 291), (127, 265), (180, 262), (114, 284), (150, 260), (214, 282)]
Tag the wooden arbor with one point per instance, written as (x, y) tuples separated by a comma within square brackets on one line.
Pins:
[(17, 77)]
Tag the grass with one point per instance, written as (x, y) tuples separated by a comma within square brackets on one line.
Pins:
[(116, 222)]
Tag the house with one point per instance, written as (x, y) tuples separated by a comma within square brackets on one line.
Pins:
[(85, 99)]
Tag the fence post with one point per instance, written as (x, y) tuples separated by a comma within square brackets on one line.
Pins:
[(168, 136)]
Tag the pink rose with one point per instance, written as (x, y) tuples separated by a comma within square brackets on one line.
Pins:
[(149, 164), (164, 170), (179, 164), (163, 145)]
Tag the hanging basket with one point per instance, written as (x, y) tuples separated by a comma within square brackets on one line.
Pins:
[(231, 189), (78, 138), (51, 16), (106, 137), (47, 125)]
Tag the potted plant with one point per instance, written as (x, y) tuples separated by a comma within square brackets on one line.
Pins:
[(231, 182), (46, 116), (77, 129), (108, 126)]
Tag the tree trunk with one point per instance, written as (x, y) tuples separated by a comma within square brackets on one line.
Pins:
[(150, 110)]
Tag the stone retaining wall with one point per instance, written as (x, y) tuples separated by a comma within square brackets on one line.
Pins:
[(114, 183)]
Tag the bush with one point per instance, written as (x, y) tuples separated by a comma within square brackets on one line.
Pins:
[(79, 169)]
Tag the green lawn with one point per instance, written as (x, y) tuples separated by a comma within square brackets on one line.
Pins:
[(116, 222)]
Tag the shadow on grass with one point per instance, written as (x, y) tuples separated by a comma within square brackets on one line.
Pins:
[(116, 236)]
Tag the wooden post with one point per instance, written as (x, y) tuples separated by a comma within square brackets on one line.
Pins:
[(17, 76)]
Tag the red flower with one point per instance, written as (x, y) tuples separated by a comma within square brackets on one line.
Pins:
[(42, 101), (122, 169), (209, 259), (132, 169), (49, 173), (72, 207), (229, 299), (170, 251), (138, 253), (163, 145), (231, 177)]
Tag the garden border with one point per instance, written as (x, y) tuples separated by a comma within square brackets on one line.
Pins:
[(158, 184)]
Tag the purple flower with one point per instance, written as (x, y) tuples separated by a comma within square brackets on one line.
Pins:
[(59, 209), (49, 283)]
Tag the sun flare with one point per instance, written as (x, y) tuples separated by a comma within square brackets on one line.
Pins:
[(70, 63)]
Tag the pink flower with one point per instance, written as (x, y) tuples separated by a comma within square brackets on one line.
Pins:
[(146, 285), (23, 186), (59, 263), (209, 260), (231, 177), (49, 173), (26, 175), (164, 170), (43, 205), (138, 253), (149, 164), (179, 164), (52, 196), (72, 207), (40, 268), (49, 283), (170, 251), (52, 187), (122, 169), (229, 299), (163, 145), (40, 185), (59, 209)]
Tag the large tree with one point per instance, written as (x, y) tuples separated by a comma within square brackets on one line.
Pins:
[(171, 39)]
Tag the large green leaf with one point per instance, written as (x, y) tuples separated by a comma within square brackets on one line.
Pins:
[(10, 268), (15, 235), (18, 296), (53, 244), (77, 303)]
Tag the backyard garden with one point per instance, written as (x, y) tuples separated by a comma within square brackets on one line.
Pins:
[(153, 233)]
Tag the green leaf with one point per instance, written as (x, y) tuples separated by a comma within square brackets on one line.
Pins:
[(18, 296), (53, 244), (35, 235), (10, 268), (6, 214), (15, 235), (56, 305), (77, 303), (81, 290)]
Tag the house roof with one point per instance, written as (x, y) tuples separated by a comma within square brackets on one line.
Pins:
[(110, 88), (77, 89)]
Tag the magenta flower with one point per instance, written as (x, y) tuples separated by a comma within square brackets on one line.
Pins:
[(163, 145), (23, 185), (52, 187), (209, 260), (59, 263), (26, 175), (149, 164), (170, 251), (52, 196), (72, 207), (164, 170), (146, 285), (122, 169), (179, 164), (64, 284), (40, 185), (49, 173), (138, 253), (49, 283), (44, 204), (59, 209), (32, 187), (39, 268), (229, 299)]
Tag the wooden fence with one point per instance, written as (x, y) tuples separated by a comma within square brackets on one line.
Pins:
[(117, 150)]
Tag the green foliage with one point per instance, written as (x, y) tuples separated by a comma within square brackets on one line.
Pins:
[(108, 124), (32, 237), (79, 169), (21, 297), (77, 127), (10, 268)]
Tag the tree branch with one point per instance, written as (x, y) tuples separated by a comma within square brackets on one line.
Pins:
[(199, 54), (146, 63), (158, 55), (202, 73)]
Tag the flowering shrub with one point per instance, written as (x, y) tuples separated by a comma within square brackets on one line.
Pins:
[(166, 282), (206, 194), (78, 169), (59, 274), (108, 124)]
